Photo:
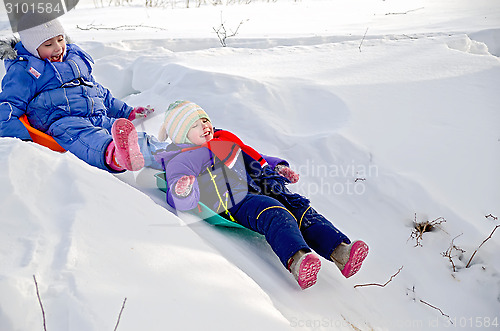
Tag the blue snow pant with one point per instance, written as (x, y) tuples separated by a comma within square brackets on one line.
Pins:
[(288, 229), (149, 145), (85, 137)]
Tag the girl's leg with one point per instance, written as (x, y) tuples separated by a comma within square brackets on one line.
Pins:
[(149, 146), (321, 235), (332, 244), (124, 149), (86, 141), (317, 231), (267, 216), (124, 152)]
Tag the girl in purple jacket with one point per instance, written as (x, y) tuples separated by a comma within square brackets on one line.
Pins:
[(216, 168)]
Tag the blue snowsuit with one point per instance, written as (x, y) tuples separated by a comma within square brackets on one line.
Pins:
[(255, 196), (61, 99)]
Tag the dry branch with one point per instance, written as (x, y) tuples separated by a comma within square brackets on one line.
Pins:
[(419, 228), (120, 315), (40, 302), (381, 285), (448, 253), (405, 12), (120, 27), (485, 240), (363, 39), (222, 33), (428, 304), (491, 216), (438, 309)]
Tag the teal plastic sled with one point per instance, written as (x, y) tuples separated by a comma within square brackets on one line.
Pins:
[(202, 211)]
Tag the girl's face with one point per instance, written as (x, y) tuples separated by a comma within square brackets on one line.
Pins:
[(53, 49), (201, 131)]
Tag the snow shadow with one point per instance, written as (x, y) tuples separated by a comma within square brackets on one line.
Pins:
[(490, 37), (273, 110)]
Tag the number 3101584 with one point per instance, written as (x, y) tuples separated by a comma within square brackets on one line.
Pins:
[(38, 8)]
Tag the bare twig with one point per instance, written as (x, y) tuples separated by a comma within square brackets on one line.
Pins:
[(448, 253), (40, 302), (491, 216), (120, 315), (120, 27), (222, 32), (428, 304), (421, 227), (363, 39), (485, 240), (354, 327), (381, 285), (414, 299), (405, 12)]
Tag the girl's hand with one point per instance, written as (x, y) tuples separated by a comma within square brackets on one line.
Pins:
[(288, 173), (184, 185), (140, 112)]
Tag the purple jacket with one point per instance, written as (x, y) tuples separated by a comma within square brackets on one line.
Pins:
[(216, 185)]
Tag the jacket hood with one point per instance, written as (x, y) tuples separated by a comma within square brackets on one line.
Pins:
[(7, 48)]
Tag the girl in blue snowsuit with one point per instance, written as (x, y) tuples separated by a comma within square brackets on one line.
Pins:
[(51, 83), (216, 168)]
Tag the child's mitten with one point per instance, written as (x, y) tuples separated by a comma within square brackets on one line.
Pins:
[(140, 112), (184, 185), (288, 173)]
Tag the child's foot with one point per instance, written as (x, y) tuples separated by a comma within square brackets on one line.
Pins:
[(127, 151), (304, 267), (349, 258)]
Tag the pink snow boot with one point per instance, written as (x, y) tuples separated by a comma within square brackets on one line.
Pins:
[(349, 258), (110, 157), (125, 149), (304, 267)]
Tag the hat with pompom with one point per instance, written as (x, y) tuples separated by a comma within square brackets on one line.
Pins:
[(179, 118), (33, 37)]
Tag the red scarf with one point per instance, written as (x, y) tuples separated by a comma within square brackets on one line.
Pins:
[(227, 146)]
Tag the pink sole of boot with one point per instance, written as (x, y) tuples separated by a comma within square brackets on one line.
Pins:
[(127, 149), (308, 271), (359, 251)]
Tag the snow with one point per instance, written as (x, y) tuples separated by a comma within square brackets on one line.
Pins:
[(387, 109)]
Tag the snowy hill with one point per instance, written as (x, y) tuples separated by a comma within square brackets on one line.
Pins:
[(388, 110)]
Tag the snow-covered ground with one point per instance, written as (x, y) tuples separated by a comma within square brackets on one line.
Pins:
[(389, 110)]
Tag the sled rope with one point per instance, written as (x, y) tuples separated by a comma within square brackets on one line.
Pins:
[(221, 201)]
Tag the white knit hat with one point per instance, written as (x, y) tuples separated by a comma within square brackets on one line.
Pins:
[(33, 37)]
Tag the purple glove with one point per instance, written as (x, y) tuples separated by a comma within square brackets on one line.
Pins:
[(288, 173), (184, 185), (140, 112)]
